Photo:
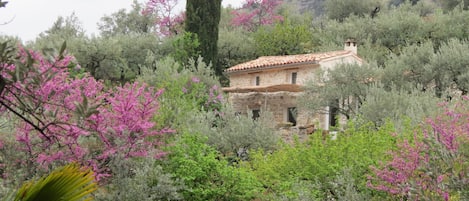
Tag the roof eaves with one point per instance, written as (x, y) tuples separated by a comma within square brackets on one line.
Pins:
[(268, 67), (342, 56)]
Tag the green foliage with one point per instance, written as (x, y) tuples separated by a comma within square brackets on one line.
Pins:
[(451, 65), (343, 87), (394, 28), (115, 57), (139, 180), (419, 67), (449, 25), (174, 104), (233, 134), (432, 165), (396, 106), (294, 11), (344, 184), (320, 160), (400, 27), (206, 175), (186, 48), (411, 70), (68, 27), (70, 182), (134, 50), (235, 46), (339, 10), (7, 52), (285, 38), (449, 5), (9, 158), (420, 54), (202, 19), (123, 22), (187, 89)]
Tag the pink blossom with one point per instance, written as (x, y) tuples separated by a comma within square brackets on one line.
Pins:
[(47, 159), (432, 162), (255, 13), (72, 110), (440, 178), (220, 97), (195, 79), (167, 22), (445, 196)]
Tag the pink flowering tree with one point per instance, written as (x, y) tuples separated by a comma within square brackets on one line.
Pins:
[(432, 166), (68, 117), (255, 13), (167, 22)]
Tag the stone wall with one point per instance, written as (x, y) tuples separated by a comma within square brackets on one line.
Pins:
[(276, 103), (282, 75), (274, 76), (279, 102)]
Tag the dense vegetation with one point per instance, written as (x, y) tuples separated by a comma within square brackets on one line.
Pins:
[(139, 107)]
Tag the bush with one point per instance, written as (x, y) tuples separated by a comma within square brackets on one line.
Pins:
[(206, 175), (433, 165), (71, 119), (139, 180), (234, 135), (320, 161), (398, 106), (187, 89)]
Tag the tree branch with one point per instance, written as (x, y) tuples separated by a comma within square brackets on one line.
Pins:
[(25, 119)]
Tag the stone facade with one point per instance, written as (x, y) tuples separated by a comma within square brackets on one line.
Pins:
[(274, 84), (277, 103), (274, 76)]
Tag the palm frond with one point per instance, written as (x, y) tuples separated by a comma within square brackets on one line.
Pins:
[(70, 183)]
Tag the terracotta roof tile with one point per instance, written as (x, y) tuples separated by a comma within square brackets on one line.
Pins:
[(270, 88), (270, 61)]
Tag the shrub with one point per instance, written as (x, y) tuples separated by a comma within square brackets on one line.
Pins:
[(206, 175), (234, 135), (397, 106), (320, 160), (72, 119), (187, 89), (432, 166), (139, 180)]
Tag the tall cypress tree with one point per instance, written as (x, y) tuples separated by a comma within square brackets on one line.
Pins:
[(202, 19)]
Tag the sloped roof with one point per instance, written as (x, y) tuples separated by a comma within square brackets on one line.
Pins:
[(270, 88), (271, 61)]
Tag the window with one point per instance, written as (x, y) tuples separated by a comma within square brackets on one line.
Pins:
[(293, 77), (333, 112), (258, 81), (292, 114), (256, 114)]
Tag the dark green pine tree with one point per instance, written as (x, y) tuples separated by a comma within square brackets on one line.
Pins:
[(202, 19)]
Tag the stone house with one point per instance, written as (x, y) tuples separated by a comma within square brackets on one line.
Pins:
[(274, 83)]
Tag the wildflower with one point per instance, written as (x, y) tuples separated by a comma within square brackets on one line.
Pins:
[(195, 79), (220, 98)]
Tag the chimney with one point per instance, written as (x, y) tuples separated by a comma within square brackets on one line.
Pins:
[(351, 45)]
